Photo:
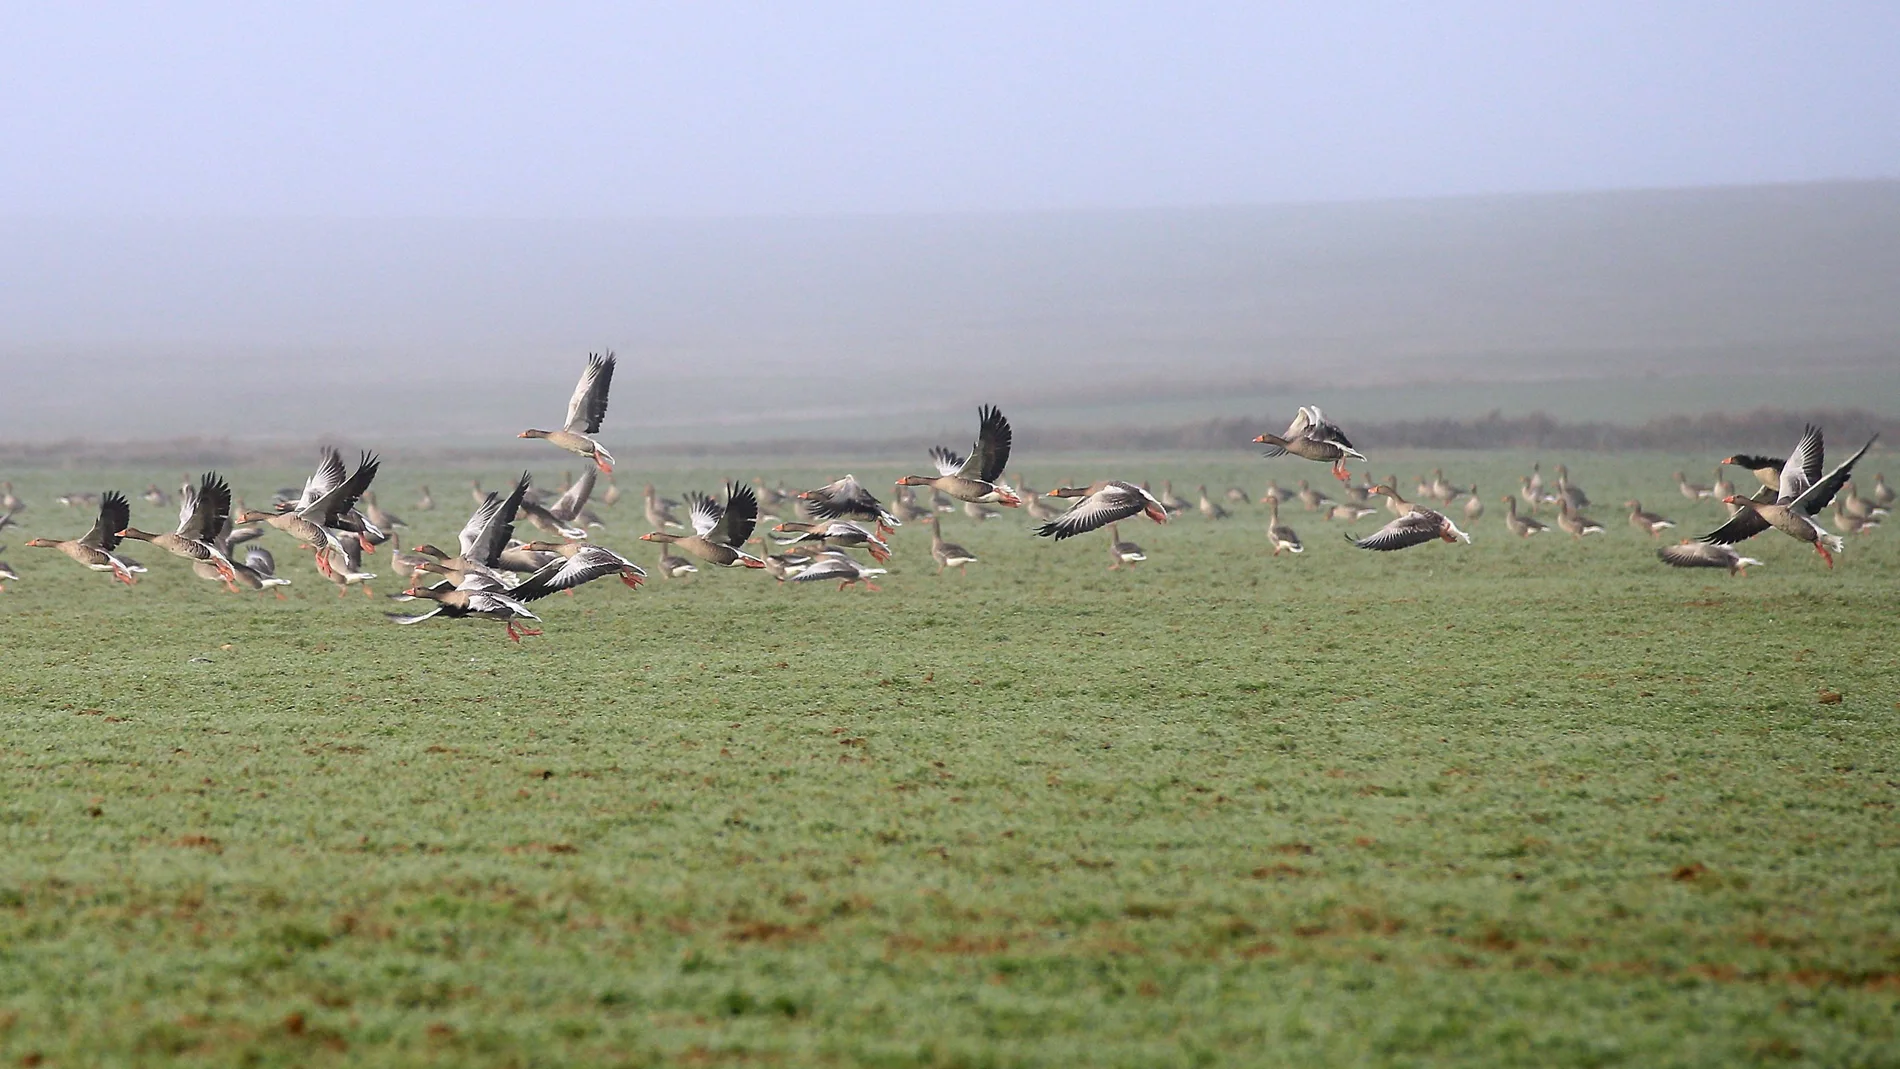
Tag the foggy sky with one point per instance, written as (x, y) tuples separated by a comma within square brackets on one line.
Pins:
[(591, 110)]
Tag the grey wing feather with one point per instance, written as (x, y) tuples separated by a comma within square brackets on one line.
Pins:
[(588, 407)]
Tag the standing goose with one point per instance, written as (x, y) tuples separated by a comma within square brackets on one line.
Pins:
[(425, 503), (1803, 493), (610, 496), (839, 565), (1102, 503), (1575, 523), (659, 510), (1704, 555), (1721, 487), (843, 532), (1883, 494), (155, 496), (1275, 494), (1647, 522), (1282, 536), (1173, 502), (201, 515), (94, 548), (978, 477), (1313, 437), (947, 554), (1858, 507), (1237, 496), (718, 530), (379, 517), (1122, 553), (1692, 491), (10, 502), (585, 410), (1349, 513), (1474, 505), (1415, 528), (1569, 491), (1208, 508), (847, 499), (979, 513), (1312, 498), (1521, 526)]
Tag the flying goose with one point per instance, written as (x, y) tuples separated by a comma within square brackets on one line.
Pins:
[(585, 410), (1103, 502), (975, 478), (839, 565), (847, 499), (842, 532), (1313, 437), (1704, 555), (718, 530), (94, 548), (1802, 494), (201, 515), (1416, 527)]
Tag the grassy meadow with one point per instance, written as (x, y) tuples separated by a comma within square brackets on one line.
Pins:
[(1535, 802)]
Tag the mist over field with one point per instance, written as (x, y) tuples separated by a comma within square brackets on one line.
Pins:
[(842, 327)]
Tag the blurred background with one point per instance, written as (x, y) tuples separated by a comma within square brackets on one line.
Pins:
[(853, 222)]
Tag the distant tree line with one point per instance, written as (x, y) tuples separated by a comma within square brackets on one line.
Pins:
[(1770, 430)]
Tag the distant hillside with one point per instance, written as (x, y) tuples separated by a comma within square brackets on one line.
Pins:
[(751, 328)]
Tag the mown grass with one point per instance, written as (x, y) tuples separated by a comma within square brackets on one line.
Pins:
[(1512, 803)]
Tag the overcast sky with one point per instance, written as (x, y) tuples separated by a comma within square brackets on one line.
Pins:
[(589, 110)]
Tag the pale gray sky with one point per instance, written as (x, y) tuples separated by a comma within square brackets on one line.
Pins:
[(588, 110)]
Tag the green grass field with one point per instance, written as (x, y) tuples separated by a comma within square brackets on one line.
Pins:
[(1527, 803)]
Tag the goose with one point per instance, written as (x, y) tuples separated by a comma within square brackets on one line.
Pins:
[(1313, 437), (155, 496), (585, 410), (1275, 494), (838, 565), (610, 496), (1576, 523), (1173, 502), (659, 510), (560, 517), (1851, 503), (1721, 487), (259, 572), (1535, 483), (718, 530), (344, 567), (1122, 553), (1704, 555), (1474, 505), (904, 505), (979, 513), (479, 597), (1037, 507), (201, 515), (1349, 513), (72, 500), (1103, 502), (1849, 524), (947, 554), (847, 499), (588, 555), (1208, 508), (1236, 496), (1569, 491), (1415, 528), (1883, 494), (1533, 496), (1521, 526), (1282, 536), (1443, 490), (483, 538), (1312, 498), (674, 566), (328, 497), (1692, 491), (406, 563), (9, 501), (425, 503), (94, 549), (977, 477), (1766, 469), (1803, 493), (1647, 522), (842, 532), (942, 502), (379, 517)]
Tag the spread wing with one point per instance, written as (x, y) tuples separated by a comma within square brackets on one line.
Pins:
[(830, 567), (1815, 498), (259, 560), (492, 526), (1803, 468), (1696, 555), (115, 515), (588, 406), (1303, 420), (566, 573), (330, 474), (705, 514), (990, 456), (845, 498), (948, 462), (1099, 509), (341, 498), (205, 509), (741, 514), (572, 502), (1740, 527), (1411, 529)]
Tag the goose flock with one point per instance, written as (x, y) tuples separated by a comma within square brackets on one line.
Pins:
[(494, 576)]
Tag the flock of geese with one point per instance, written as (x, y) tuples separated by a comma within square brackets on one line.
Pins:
[(492, 575)]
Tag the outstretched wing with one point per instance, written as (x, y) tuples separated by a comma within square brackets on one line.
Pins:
[(738, 518), (493, 525), (991, 454), (1803, 468), (1099, 509), (566, 573), (330, 474), (1696, 555), (259, 560), (205, 509), (948, 462), (341, 498), (1411, 529), (115, 515), (1816, 497), (572, 502), (401, 619), (704, 512), (588, 406), (1744, 525)]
